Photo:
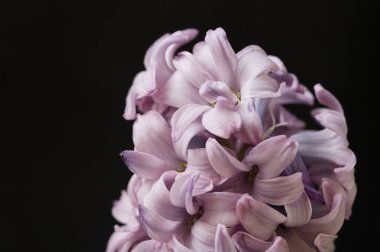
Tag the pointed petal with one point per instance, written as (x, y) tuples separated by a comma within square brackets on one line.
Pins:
[(298, 212), (326, 98), (219, 208), (177, 92), (222, 121), (152, 134), (325, 242), (123, 239), (279, 191), (252, 130), (332, 120), (211, 90), (259, 219), (157, 227), (279, 245), (124, 211), (222, 161), (222, 54), (159, 201), (144, 164), (272, 156), (184, 117), (247, 243), (223, 241), (191, 69)]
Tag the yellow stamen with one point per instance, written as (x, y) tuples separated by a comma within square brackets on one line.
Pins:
[(182, 167), (252, 173)]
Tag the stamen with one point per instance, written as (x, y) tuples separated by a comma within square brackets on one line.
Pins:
[(252, 173), (193, 218), (238, 95), (182, 167)]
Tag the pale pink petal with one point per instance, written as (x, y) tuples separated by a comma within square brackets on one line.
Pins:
[(125, 211), (177, 92), (279, 191), (223, 162), (157, 227), (211, 90), (325, 242), (191, 69), (197, 160), (223, 241), (326, 98), (152, 134), (148, 245), (184, 117), (175, 246), (351, 195), (202, 237), (272, 156), (248, 50), (251, 128), (223, 55), (159, 200), (222, 120), (123, 239), (219, 208), (262, 86), (144, 164), (248, 243), (298, 212), (294, 241), (259, 219), (279, 245), (332, 120), (281, 68)]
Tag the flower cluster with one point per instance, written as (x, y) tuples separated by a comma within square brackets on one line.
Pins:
[(219, 162)]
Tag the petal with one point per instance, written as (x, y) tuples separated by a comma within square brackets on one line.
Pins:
[(332, 120), (159, 200), (157, 227), (198, 161), (222, 121), (272, 156), (325, 242), (124, 211), (184, 117), (219, 208), (298, 212), (279, 191), (223, 241), (247, 243), (222, 54), (191, 69), (202, 237), (123, 239), (152, 134), (222, 161), (144, 164), (259, 219), (177, 92), (351, 195), (279, 245), (176, 246), (294, 241), (181, 145), (211, 90), (326, 98), (262, 86), (251, 127), (148, 245)]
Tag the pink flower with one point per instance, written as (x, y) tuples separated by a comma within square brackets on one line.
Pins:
[(220, 164)]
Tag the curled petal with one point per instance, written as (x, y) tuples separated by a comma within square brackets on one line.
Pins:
[(157, 227), (222, 120), (351, 195), (246, 243), (191, 69), (272, 156), (223, 241), (144, 164), (294, 241), (211, 90), (198, 161), (159, 200), (326, 98), (152, 134), (325, 242), (124, 239), (148, 245), (219, 208), (202, 236), (184, 117), (280, 190), (223, 162), (298, 212), (332, 120), (279, 245), (259, 219), (176, 246), (124, 210), (251, 126)]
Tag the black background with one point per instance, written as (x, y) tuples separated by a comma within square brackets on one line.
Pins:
[(65, 71)]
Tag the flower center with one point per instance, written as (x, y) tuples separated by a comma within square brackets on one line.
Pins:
[(252, 173), (182, 167), (193, 218)]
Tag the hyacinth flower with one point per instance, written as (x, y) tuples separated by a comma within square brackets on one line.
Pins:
[(220, 164)]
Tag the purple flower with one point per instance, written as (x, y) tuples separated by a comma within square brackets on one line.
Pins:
[(220, 164)]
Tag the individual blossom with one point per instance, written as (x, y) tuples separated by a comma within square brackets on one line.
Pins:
[(221, 164)]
